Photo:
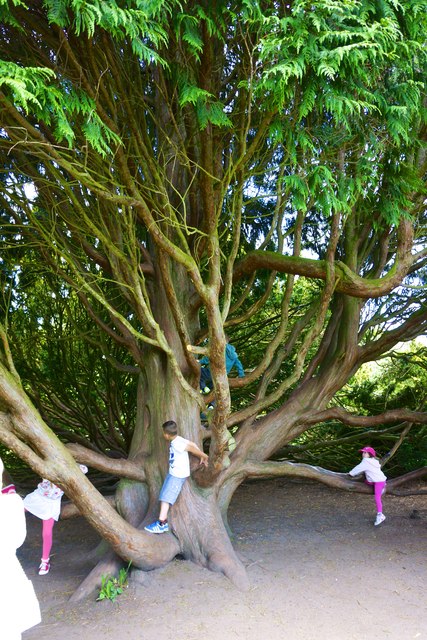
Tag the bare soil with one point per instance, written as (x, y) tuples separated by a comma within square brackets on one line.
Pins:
[(319, 570)]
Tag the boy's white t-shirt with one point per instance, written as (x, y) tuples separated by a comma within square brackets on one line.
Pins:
[(371, 468), (179, 460)]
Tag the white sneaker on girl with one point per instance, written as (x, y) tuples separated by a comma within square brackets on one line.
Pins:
[(380, 518), (44, 567)]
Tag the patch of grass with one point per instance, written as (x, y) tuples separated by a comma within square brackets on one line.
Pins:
[(113, 586)]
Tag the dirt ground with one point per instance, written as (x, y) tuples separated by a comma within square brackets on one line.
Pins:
[(319, 570)]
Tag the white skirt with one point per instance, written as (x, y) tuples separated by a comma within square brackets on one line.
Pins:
[(41, 506)]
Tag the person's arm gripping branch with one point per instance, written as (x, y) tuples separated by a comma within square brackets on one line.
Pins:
[(358, 469), (194, 449)]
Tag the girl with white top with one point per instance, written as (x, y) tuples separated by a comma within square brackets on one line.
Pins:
[(45, 503), (371, 467), (18, 603)]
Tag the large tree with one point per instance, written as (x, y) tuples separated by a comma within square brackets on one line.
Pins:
[(190, 168)]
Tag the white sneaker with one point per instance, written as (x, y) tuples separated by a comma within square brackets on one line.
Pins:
[(44, 567), (380, 518)]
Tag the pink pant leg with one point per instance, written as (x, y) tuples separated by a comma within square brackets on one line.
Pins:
[(378, 491), (47, 537)]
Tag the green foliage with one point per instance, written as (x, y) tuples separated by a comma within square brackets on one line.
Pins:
[(398, 380), (208, 110), (112, 587), (188, 28), (65, 361), (59, 107), (26, 85), (212, 112), (139, 21), (338, 54)]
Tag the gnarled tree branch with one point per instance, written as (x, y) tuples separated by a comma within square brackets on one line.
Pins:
[(346, 281)]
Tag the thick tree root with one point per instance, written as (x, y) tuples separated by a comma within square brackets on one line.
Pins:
[(109, 565), (199, 526), (158, 551), (231, 567)]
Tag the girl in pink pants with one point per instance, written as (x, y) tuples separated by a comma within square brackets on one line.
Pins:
[(45, 503), (371, 467)]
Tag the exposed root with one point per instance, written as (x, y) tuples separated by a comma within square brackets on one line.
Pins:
[(232, 568), (109, 565), (158, 551), (204, 540)]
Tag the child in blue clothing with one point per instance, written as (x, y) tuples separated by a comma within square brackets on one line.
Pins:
[(179, 471), (231, 360)]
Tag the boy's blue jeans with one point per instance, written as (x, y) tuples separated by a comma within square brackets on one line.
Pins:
[(171, 489)]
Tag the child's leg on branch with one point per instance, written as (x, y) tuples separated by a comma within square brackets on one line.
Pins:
[(164, 510), (205, 378), (47, 537)]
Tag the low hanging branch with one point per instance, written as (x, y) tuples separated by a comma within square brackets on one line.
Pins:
[(332, 479)]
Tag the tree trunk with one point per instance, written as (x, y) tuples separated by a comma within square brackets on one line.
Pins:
[(197, 528), (197, 522)]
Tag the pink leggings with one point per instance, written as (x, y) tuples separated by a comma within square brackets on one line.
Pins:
[(47, 537), (47, 532), (378, 491)]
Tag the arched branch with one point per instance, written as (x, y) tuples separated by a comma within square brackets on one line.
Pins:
[(346, 281), (115, 466)]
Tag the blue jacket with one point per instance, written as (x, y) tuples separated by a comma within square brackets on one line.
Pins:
[(231, 360)]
